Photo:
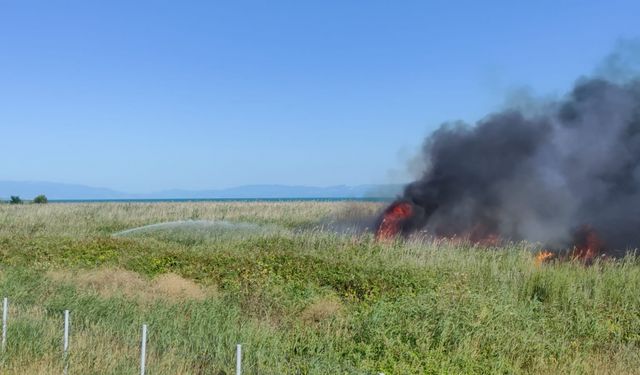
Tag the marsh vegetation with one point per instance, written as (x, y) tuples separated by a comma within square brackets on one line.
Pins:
[(301, 299)]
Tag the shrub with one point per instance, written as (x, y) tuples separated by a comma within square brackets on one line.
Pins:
[(40, 199), (15, 200)]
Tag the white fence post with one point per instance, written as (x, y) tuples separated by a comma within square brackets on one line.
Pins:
[(65, 342), (5, 312), (238, 359), (143, 349)]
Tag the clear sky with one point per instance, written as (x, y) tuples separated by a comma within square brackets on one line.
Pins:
[(142, 96)]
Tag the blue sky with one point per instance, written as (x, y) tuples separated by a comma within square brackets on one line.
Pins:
[(148, 95)]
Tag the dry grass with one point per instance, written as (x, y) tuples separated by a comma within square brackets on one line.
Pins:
[(99, 351), (174, 287), (321, 309), (112, 282), (47, 365), (80, 220)]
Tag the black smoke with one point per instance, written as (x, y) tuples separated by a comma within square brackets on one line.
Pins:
[(538, 175)]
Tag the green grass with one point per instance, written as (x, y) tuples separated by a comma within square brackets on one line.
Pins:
[(301, 301)]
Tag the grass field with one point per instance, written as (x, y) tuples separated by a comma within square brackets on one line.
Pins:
[(300, 299)]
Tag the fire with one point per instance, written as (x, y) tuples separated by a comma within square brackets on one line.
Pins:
[(399, 218), (544, 256), (392, 220), (396, 220), (587, 245), (481, 234)]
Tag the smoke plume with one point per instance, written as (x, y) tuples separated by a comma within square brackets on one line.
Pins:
[(538, 176)]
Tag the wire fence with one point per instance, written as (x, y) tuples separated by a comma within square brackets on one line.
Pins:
[(144, 341), (66, 341)]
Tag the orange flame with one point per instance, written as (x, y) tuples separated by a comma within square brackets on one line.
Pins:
[(587, 246), (392, 219), (544, 256)]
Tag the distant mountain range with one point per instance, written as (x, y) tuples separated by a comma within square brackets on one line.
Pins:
[(59, 191)]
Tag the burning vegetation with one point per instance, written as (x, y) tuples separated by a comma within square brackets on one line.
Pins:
[(565, 175), (393, 220)]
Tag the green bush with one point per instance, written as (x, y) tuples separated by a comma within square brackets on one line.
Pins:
[(15, 200), (40, 199)]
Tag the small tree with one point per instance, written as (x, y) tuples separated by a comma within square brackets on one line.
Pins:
[(15, 200), (40, 199)]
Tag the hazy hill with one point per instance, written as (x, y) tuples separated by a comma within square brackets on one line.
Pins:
[(29, 189), (54, 190)]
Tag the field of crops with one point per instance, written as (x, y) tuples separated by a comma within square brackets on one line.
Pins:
[(300, 292)]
